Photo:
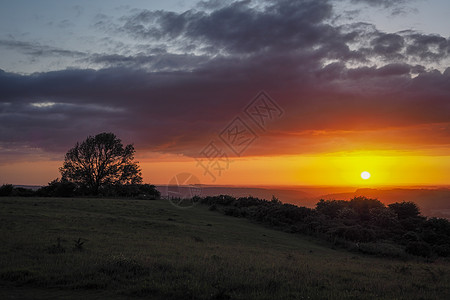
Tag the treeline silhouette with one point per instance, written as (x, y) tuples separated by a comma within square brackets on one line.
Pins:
[(361, 224), (64, 188)]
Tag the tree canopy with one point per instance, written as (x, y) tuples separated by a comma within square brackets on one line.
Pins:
[(99, 161)]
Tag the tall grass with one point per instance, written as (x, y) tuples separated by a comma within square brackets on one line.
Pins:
[(151, 249)]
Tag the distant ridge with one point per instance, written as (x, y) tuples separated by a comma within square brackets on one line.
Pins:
[(433, 202), (31, 187)]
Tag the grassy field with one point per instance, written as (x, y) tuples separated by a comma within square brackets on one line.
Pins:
[(151, 249)]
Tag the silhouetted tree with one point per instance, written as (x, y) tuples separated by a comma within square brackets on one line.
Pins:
[(405, 210), (275, 200), (362, 206), (408, 215), (101, 160)]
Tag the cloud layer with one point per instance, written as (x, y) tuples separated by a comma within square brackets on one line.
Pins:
[(191, 73)]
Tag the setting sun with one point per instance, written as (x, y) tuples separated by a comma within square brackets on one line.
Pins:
[(365, 175)]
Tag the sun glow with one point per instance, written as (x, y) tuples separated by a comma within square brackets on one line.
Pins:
[(342, 169), (365, 175)]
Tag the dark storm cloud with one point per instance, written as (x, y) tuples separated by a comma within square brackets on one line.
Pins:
[(388, 45), (168, 101), (280, 26), (399, 46), (428, 47), (238, 27)]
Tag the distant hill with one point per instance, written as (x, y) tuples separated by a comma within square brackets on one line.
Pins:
[(433, 202), (31, 187)]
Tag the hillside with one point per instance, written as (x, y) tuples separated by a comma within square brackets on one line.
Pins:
[(133, 248)]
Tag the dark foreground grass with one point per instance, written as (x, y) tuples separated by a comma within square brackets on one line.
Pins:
[(115, 249)]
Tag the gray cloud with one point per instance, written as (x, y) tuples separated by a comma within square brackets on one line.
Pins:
[(213, 4), (384, 3), (428, 47), (35, 49), (158, 62), (239, 27), (388, 45), (280, 26)]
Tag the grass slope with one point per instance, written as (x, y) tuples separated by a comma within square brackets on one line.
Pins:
[(151, 249)]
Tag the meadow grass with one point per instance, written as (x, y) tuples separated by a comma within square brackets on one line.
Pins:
[(117, 249)]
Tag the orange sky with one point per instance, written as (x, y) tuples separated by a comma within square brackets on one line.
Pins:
[(339, 169), (335, 170)]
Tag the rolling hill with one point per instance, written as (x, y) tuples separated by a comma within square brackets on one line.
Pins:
[(103, 248)]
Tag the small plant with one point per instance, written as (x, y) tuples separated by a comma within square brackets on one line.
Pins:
[(78, 246), (221, 293), (58, 248)]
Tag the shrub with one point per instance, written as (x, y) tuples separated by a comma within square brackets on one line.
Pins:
[(232, 211), (410, 236), (6, 190), (355, 233), (358, 221), (141, 191), (22, 192), (382, 249), (58, 188), (419, 248), (413, 223), (347, 213), (438, 225), (330, 208), (383, 217), (252, 201), (442, 250), (405, 210), (218, 200)]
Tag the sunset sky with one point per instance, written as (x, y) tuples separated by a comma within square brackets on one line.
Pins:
[(235, 92)]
